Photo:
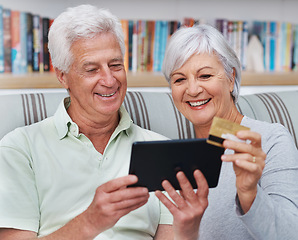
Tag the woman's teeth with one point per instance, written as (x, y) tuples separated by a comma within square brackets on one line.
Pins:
[(198, 103)]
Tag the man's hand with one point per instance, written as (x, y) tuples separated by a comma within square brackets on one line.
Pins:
[(113, 200)]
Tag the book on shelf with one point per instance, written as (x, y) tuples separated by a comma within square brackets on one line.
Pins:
[(1, 41), (24, 41), (124, 24), (36, 43), (45, 52), (23, 59), (277, 40), (15, 41), (295, 47), (7, 39), (51, 65), (29, 47), (147, 41), (23, 38)]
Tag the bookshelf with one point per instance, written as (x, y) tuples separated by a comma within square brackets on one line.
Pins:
[(142, 79), (282, 10)]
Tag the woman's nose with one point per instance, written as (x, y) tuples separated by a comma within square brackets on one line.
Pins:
[(193, 87)]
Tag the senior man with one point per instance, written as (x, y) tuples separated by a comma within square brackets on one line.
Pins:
[(66, 176)]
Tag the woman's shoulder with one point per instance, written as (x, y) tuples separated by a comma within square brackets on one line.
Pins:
[(272, 133), (263, 127)]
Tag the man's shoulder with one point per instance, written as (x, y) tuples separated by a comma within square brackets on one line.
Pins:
[(146, 134), (25, 132)]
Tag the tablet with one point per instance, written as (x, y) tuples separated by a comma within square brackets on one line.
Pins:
[(154, 161)]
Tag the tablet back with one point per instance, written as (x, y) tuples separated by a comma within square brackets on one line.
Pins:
[(155, 161)]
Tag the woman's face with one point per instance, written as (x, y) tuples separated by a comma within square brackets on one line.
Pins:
[(201, 90)]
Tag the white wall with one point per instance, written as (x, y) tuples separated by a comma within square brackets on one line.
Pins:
[(282, 10)]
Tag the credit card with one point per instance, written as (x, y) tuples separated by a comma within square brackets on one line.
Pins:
[(222, 129)]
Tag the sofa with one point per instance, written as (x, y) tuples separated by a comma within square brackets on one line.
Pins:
[(152, 110)]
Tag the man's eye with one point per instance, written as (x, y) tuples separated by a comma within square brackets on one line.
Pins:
[(117, 66), (91, 70)]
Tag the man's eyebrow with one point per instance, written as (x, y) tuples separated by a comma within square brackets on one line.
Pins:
[(89, 63), (117, 59)]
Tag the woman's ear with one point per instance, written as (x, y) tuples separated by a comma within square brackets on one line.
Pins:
[(232, 83), (62, 78)]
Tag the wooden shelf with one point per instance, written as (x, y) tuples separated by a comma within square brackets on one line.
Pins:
[(48, 80)]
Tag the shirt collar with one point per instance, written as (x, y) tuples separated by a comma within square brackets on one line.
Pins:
[(65, 125)]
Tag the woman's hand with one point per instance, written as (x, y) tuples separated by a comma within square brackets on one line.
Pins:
[(188, 207), (248, 162)]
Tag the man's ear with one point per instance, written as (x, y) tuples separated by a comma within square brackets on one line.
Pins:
[(62, 78)]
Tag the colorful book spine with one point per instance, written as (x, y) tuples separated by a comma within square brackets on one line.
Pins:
[(150, 50), (288, 47), (29, 42), (163, 42), (238, 38), (135, 42), (222, 26), (45, 40), (23, 43), (295, 43), (278, 47), (156, 51), (140, 45), (7, 39), (272, 45), (244, 44), (15, 41), (41, 59), (130, 43), (230, 36), (51, 65), (124, 24), (1, 41), (36, 42)]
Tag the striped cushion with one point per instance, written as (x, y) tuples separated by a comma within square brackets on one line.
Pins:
[(24, 109), (278, 107), (152, 110), (156, 111)]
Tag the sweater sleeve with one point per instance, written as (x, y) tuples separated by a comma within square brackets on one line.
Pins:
[(274, 213)]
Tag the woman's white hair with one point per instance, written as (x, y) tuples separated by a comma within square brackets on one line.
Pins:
[(84, 21), (187, 41)]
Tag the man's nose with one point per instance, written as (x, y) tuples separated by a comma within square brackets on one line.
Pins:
[(107, 78)]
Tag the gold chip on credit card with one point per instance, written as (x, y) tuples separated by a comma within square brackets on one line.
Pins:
[(222, 129)]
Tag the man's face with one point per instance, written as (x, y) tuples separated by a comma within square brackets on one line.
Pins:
[(96, 80)]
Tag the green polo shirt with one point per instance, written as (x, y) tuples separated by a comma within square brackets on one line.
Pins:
[(49, 173)]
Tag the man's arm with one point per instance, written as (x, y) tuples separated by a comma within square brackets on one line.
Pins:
[(15, 234), (164, 232), (112, 201)]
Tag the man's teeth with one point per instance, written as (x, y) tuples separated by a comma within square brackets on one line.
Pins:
[(199, 103), (106, 95)]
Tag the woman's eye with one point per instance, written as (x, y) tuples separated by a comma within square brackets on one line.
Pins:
[(178, 80), (91, 70), (205, 76)]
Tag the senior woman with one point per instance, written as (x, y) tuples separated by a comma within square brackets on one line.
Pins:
[(257, 194)]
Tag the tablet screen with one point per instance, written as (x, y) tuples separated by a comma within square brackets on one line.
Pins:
[(154, 161)]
